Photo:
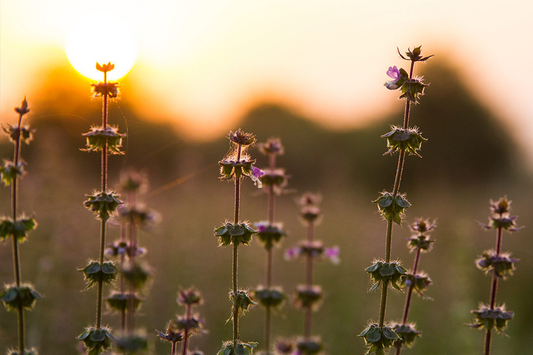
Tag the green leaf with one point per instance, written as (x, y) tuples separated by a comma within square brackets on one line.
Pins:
[(373, 335)]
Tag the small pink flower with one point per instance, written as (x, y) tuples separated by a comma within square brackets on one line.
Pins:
[(256, 176), (397, 76), (257, 172), (292, 253), (333, 254), (393, 72)]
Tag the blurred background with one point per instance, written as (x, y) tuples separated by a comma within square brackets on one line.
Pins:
[(312, 74)]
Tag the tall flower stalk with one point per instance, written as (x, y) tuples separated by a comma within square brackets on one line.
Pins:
[(270, 233), (236, 166), (403, 140), (107, 141), (309, 296), (18, 296), (184, 326), (500, 264), (414, 281), (133, 275)]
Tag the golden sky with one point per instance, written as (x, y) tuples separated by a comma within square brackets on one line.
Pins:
[(205, 62)]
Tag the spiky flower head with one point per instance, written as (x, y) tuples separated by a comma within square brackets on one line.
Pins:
[(378, 339), (272, 146)]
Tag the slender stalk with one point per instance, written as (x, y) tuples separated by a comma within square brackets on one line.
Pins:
[(131, 300), (410, 291), (16, 257), (270, 212), (493, 291), (235, 279), (309, 280), (268, 310), (395, 191), (408, 299), (121, 279), (103, 221), (186, 333), (235, 288)]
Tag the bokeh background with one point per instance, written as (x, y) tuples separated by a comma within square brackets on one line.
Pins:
[(310, 73)]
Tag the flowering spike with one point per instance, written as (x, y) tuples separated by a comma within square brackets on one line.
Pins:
[(23, 109)]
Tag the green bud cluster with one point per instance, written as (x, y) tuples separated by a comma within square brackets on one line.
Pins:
[(96, 340), (240, 349), (502, 264), (18, 230), (405, 140), (99, 138), (103, 204), (95, 273), (382, 271), (9, 172), (407, 333), (377, 338), (309, 346), (24, 296), (391, 207), (269, 298), (132, 343), (234, 233), (307, 296), (489, 319), (269, 234), (119, 301)]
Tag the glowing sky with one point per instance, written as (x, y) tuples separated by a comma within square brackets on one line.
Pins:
[(207, 61)]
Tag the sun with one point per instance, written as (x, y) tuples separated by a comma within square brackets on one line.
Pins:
[(101, 40)]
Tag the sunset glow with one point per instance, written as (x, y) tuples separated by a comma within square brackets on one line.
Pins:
[(204, 64)]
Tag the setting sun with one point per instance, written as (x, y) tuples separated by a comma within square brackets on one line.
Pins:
[(102, 40)]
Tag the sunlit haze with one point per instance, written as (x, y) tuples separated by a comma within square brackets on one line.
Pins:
[(204, 63)]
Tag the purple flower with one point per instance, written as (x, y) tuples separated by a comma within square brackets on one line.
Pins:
[(262, 226), (256, 176), (257, 172), (292, 253), (398, 76), (393, 72), (333, 254)]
